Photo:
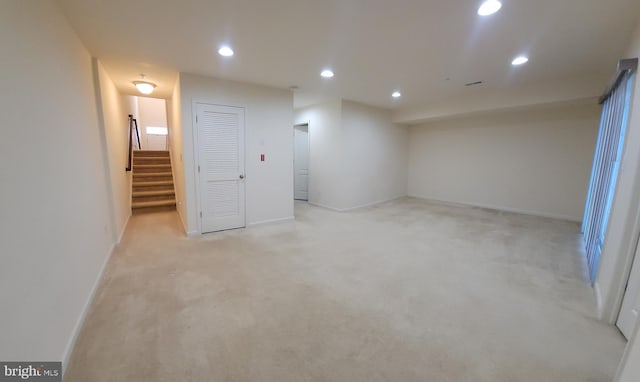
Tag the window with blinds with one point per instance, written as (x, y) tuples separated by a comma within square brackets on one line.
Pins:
[(606, 164)]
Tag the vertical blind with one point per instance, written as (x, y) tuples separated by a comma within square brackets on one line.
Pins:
[(606, 164)]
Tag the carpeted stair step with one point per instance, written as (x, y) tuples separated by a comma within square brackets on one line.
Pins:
[(150, 153), (150, 176), (146, 168), (151, 161), (154, 203), (153, 193), (152, 183), (152, 187)]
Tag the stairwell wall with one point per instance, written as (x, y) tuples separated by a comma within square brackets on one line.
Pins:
[(114, 112), (55, 225), (174, 119)]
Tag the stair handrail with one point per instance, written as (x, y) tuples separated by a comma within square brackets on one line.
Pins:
[(133, 123)]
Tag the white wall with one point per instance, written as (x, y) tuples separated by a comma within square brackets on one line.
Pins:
[(358, 156), (375, 157), (531, 161), (268, 130), (113, 112), (131, 105), (151, 112), (54, 229), (174, 116), (325, 152), (624, 221)]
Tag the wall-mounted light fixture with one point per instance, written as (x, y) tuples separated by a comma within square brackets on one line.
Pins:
[(144, 87)]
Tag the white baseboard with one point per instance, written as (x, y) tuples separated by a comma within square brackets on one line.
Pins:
[(252, 224), (599, 307), (372, 204), (357, 207), (324, 206), (501, 208), (270, 221), (85, 311), (184, 224), (124, 229)]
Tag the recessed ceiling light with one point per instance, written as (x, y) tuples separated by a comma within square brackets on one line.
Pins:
[(519, 60), (489, 7), (225, 51), (327, 73), (396, 94)]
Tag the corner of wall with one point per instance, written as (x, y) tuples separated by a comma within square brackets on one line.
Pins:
[(176, 147)]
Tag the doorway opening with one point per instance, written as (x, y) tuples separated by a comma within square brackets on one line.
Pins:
[(152, 186), (301, 162), (151, 116)]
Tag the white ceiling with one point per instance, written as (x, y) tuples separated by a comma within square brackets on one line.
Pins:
[(426, 48)]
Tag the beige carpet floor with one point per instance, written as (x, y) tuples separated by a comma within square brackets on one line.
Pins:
[(404, 291)]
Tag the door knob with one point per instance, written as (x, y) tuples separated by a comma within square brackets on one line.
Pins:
[(241, 176)]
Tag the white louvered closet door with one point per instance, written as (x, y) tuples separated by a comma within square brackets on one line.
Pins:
[(221, 166)]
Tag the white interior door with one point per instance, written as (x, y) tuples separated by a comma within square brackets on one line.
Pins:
[(220, 132), (631, 302), (301, 162)]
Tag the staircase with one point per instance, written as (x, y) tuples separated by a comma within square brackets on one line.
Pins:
[(152, 182)]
